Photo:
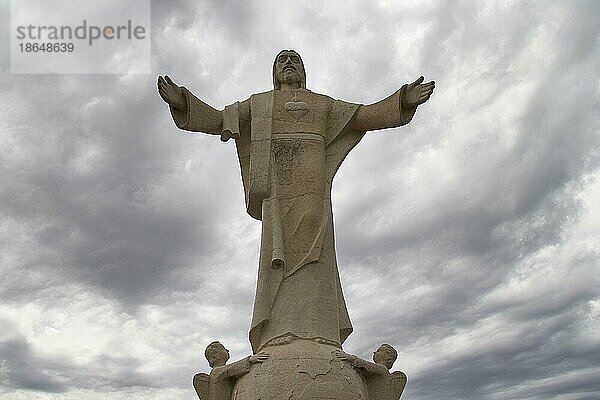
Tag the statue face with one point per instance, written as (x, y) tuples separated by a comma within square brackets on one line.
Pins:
[(379, 356), (288, 68), (218, 355)]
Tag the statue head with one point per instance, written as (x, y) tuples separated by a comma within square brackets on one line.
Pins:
[(216, 354), (385, 355), (288, 68)]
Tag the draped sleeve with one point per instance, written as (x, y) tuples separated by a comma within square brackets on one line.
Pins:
[(383, 114), (197, 116)]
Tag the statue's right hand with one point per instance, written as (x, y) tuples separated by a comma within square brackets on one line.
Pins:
[(342, 356), (171, 93)]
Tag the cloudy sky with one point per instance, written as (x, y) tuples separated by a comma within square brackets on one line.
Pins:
[(469, 239)]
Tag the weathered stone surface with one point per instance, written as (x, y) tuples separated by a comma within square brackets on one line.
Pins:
[(290, 143), (301, 369)]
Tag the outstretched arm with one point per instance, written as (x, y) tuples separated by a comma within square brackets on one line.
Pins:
[(242, 367), (362, 366), (395, 110), (189, 112)]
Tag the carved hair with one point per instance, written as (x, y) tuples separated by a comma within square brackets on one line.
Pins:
[(390, 353), (276, 83), (212, 350)]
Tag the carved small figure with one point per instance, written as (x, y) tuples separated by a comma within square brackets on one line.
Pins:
[(380, 383), (219, 384)]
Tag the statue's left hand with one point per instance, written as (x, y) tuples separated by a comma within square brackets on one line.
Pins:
[(416, 93)]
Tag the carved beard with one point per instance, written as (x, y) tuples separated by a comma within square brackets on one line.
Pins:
[(289, 76)]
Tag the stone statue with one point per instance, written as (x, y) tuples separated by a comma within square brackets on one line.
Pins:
[(290, 143), (219, 384), (380, 383)]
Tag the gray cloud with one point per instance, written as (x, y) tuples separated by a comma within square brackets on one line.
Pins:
[(21, 370), (24, 369)]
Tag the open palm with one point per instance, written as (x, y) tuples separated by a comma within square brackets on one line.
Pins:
[(171, 93), (417, 93)]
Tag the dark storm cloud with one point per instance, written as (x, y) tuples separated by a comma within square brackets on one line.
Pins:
[(536, 351), (91, 185), (24, 371)]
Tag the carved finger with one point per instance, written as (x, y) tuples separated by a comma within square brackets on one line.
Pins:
[(418, 81), (169, 81)]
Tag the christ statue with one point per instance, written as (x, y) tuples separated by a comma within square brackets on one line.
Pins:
[(290, 142)]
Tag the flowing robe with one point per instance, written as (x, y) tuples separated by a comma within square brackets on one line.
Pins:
[(290, 143)]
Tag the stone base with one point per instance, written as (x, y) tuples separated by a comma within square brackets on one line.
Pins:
[(300, 370)]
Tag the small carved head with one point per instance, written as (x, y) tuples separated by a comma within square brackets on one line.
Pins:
[(288, 68), (385, 355), (216, 354)]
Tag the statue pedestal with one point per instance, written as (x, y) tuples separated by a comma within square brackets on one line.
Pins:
[(298, 370)]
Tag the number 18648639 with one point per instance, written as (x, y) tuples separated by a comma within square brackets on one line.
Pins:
[(46, 47)]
